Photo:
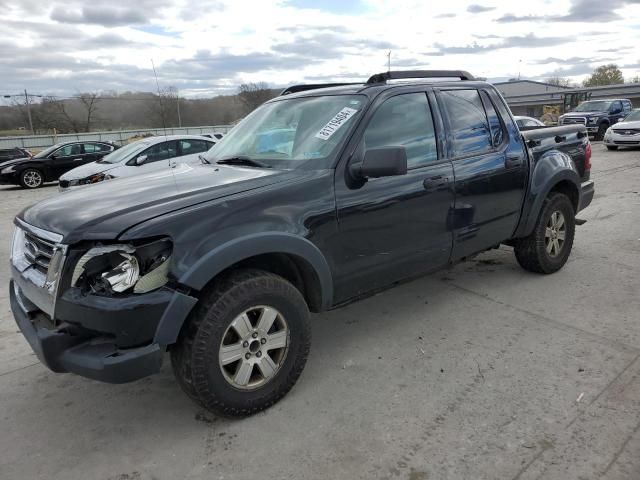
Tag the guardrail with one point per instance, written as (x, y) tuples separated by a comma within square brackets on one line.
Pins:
[(117, 136)]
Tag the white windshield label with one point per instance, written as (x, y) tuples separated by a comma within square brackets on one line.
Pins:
[(335, 123)]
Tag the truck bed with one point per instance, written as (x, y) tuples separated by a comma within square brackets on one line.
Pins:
[(570, 139)]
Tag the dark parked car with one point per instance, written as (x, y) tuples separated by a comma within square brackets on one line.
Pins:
[(597, 115), (7, 154), (48, 165), (221, 263)]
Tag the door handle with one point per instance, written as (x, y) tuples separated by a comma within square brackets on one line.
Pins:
[(435, 183), (512, 162), (78, 159)]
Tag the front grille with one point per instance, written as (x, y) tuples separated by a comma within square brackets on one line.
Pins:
[(574, 120), (38, 252), (623, 142), (626, 131)]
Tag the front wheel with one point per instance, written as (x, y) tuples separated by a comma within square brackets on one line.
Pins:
[(245, 344), (31, 178), (611, 147), (602, 129), (548, 247)]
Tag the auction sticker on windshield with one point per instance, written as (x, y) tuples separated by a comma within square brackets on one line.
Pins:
[(335, 123)]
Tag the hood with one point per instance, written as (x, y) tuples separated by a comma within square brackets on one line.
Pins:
[(15, 161), (623, 125), (584, 114), (112, 206), (88, 169)]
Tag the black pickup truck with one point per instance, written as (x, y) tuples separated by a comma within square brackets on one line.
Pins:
[(321, 196)]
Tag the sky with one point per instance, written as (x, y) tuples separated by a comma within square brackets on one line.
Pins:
[(210, 47)]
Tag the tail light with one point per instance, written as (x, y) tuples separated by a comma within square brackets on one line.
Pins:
[(587, 157)]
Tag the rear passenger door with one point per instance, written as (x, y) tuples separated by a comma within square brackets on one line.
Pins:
[(490, 168), (395, 227)]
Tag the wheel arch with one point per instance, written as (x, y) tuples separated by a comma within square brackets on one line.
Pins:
[(555, 173), (294, 258)]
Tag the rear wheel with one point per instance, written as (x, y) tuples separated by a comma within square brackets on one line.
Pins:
[(611, 147), (245, 345), (31, 178), (548, 247)]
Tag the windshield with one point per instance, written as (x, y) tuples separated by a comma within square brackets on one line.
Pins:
[(45, 153), (596, 106), (125, 152), (288, 133), (633, 116)]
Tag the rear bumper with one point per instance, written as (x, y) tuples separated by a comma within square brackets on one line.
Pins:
[(587, 191), (68, 348)]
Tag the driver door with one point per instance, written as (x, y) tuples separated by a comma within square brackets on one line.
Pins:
[(392, 228), (66, 158)]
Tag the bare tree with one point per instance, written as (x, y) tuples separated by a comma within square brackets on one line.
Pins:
[(559, 81), (252, 95), (163, 108), (90, 104)]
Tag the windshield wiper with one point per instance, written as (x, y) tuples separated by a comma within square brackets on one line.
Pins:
[(242, 160), (203, 159)]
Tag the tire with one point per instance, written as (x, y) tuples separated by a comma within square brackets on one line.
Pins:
[(197, 357), (602, 128), (532, 252), (611, 147), (31, 178)]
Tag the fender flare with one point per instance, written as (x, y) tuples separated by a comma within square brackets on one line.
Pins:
[(543, 181), (230, 253)]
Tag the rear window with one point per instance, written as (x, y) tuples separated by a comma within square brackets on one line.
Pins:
[(468, 121)]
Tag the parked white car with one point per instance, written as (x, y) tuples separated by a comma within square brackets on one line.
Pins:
[(524, 122), (144, 156), (625, 133)]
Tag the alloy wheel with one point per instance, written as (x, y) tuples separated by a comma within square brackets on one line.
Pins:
[(32, 179), (254, 347), (555, 234)]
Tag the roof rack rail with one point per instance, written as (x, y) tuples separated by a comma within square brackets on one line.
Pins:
[(383, 77), (304, 88)]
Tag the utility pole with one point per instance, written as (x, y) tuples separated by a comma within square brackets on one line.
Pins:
[(389, 61), (178, 102), (26, 99)]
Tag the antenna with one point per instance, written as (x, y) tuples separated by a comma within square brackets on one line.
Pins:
[(159, 98)]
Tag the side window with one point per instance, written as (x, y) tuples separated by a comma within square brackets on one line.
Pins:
[(188, 147), (617, 107), (69, 150), (627, 106), (469, 124), (498, 130), (161, 151), (404, 121), (95, 148)]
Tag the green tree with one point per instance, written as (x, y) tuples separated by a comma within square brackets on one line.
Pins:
[(604, 75)]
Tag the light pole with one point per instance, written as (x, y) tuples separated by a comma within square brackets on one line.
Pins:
[(26, 99), (178, 104)]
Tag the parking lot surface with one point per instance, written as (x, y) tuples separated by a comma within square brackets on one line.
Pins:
[(483, 371)]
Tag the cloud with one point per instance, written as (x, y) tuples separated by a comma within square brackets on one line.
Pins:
[(475, 8), (579, 69), (580, 11), (526, 41), (106, 16), (570, 60), (445, 15)]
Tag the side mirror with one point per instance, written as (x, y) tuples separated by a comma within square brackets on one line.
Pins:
[(141, 159), (53, 156), (381, 162)]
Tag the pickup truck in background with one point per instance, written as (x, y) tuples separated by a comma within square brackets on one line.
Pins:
[(597, 115), (220, 264)]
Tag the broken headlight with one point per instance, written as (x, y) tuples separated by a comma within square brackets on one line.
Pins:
[(109, 269)]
